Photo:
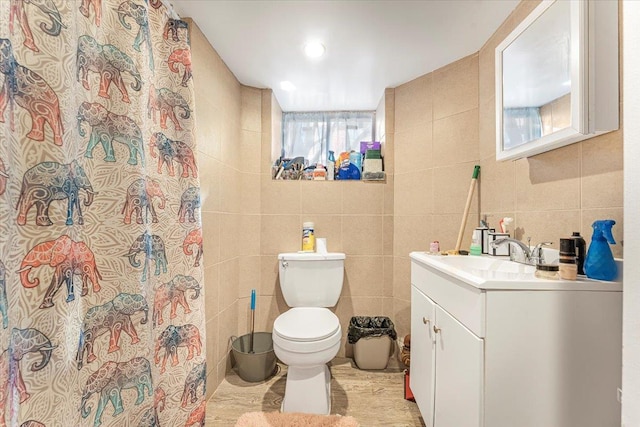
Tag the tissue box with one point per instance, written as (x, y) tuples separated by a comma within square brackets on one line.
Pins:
[(502, 250), (369, 145)]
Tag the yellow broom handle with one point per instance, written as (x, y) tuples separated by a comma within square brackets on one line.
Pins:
[(474, 179)]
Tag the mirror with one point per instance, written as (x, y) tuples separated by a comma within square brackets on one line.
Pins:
[(551, 88)]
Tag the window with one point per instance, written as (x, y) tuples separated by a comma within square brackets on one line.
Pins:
[(312, 135), (521, 125)]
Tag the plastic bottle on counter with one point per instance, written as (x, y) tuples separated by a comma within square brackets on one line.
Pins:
[(476, 242), (599, 263), (581, 251)]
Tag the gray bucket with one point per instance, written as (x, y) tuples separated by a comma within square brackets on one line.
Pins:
[(260, 364)]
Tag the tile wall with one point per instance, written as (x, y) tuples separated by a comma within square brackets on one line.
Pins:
[(436, 148), (222, 173), (356, 217), (554, 193), (444, 124)]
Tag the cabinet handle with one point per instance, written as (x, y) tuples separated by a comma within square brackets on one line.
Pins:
[(425, 320), (436, 329)]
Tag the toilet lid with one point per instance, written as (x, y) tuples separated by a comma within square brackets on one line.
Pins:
[(306, 324)]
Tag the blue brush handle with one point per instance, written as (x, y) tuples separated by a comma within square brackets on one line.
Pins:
[(253, 299)]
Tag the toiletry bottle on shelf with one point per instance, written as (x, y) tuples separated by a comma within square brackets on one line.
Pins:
[(581, 247), (356, 159), (308, 237), (331, 167), (599, 263), (476, 242), (319, 173)]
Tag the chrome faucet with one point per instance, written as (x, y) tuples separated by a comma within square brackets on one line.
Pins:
[(529, 256)]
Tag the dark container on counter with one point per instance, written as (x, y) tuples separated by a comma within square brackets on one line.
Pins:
[(581, 251)]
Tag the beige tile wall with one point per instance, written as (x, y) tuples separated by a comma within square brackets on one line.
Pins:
[(554, 193), (354, 216), (224, 137), (444, 124), (436, 146)]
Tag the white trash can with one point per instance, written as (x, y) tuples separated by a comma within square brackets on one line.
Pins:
[(371, 338)]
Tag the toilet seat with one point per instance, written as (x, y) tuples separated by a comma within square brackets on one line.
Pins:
[(306, 324), (306, 329)]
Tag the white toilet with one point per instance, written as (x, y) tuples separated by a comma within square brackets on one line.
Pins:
[(307, 336)]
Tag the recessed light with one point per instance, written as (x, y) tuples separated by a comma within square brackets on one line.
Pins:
[(287, 86), (314, 49)]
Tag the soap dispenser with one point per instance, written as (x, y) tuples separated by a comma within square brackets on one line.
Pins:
[(476, 242), (599, 263)]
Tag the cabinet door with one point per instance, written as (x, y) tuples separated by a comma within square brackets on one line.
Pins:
[(459, 374), (423, 353)]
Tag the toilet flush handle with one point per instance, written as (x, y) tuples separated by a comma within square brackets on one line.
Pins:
[(285, 264)]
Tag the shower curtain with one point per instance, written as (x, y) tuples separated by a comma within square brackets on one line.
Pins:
[(101, 288)]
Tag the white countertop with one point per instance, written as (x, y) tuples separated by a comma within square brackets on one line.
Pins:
[(496, 273)]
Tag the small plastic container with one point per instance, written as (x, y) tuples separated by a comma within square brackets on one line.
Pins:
[(319, 173), (547, 271), (568, 270)]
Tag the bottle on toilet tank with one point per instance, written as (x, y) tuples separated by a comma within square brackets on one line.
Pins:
[(308, 237)]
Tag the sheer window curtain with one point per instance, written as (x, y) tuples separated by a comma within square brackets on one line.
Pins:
[(521, 125), (312, 135)]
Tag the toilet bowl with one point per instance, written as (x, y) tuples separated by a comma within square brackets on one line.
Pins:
[(308, 335), (306, 339)]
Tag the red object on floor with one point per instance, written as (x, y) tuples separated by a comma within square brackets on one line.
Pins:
[(408, 394)]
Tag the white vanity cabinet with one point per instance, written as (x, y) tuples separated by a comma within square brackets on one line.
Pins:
[(524, 356), (423, 344), (446, 366)]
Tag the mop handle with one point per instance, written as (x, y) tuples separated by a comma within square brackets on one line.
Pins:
[(253, 318)]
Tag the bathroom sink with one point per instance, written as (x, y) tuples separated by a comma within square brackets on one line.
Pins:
[(483, 265), (487, 272)]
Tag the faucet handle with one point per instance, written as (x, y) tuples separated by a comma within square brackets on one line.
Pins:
[(541, 244), (536, 252)]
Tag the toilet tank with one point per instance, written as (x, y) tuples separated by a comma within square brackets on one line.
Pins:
[(311, 279)]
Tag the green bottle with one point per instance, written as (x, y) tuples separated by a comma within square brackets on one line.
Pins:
[(476, 242)]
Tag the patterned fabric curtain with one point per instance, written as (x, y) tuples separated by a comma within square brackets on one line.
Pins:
[(100, 235)]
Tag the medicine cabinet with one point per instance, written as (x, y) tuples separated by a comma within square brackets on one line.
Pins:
[(557, 78)]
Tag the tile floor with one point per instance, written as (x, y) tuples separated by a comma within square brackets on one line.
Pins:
[(374, 398)]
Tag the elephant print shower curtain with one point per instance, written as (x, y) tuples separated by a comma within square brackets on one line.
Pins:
[(101, 289)]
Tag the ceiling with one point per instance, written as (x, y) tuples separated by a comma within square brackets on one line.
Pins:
[(370, 45)]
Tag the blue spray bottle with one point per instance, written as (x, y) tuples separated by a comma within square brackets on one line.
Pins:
[(599, 263)]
